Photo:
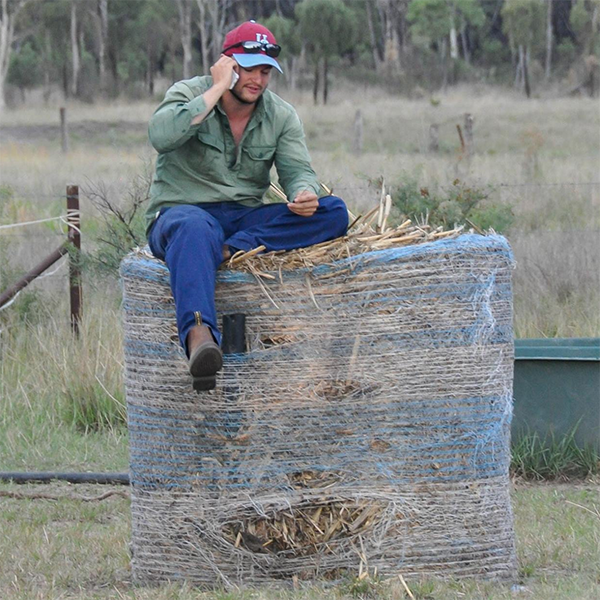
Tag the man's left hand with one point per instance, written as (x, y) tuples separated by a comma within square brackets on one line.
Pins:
[(305, 204)]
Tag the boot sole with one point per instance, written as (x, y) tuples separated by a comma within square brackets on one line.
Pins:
[(203, 384), (206, 360)]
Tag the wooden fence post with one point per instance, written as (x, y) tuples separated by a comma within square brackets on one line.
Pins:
[(469, 134), (357, 145), (74, 235), (434, 137), (64, 133)]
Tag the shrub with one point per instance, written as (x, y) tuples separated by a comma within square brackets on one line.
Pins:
[(122, 226), (460, 204)]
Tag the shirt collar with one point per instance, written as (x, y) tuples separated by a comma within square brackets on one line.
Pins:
[(258, 113)]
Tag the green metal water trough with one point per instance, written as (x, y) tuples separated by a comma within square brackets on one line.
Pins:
[(557, 388)]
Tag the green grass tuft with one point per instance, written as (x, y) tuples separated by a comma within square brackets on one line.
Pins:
[(552, 457)]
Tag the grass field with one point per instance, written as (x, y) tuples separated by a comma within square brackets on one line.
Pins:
[(540, 157), (69, 548)]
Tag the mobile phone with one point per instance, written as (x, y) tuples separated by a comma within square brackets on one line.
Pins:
[(234, 79)]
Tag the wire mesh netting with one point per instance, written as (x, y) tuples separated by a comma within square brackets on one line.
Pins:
[(366, 426)]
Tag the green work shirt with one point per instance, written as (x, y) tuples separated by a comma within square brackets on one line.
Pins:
[(201, 163)]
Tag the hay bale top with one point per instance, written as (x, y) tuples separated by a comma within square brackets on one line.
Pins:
[(361, 238)]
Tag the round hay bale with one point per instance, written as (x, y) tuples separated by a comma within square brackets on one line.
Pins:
[(366, 427)]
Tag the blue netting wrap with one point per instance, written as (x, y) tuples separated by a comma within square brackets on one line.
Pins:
[(367, 425)]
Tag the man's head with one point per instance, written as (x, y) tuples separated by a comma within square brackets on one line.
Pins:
[(252, 45)]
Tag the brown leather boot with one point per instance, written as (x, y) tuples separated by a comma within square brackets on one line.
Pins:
[(206, 358)]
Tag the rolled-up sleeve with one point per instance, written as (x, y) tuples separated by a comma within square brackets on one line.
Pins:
[(292, 159), (170, 125)]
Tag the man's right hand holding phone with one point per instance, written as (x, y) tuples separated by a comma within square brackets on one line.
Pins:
[(224, 72), (224, 75)]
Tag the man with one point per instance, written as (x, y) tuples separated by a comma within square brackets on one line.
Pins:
[(217, 138)]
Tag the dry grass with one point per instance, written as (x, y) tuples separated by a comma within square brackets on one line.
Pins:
[(523, 148), (79, 550), (69, 549), (54, 388), (557, 283)]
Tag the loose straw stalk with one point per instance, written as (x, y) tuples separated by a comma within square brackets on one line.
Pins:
[(281, 195), (361, 238)]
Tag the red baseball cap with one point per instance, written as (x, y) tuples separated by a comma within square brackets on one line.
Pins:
[(250, 31)]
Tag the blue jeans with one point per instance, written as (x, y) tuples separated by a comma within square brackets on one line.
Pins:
[(190, 239)]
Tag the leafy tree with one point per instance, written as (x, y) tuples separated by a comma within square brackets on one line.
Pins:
[(211, 20), (329, 29), (127, 43), (437, 21), (9, 15), (67, 28), (142, 54), (585, 21), (287, 36), (54, 21), (24, 70), (524, 22)]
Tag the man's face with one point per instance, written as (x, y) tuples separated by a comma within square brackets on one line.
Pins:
[(252, 83)]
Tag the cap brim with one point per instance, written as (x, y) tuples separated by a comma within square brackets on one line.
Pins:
[(254, 60)]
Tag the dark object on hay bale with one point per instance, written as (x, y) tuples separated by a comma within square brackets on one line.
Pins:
[(369, 428)]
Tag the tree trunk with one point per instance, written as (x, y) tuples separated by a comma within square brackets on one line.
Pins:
[(114, 64), (444, 53), (465, 44), (393, 24), (526, 73), (391, 55), (7, 35), (325, 80), (453, 43), (316, 82), (75, 62), (47, 62), (149, 68), (8, 17), (218, 16), (590, 49), (6, 39), (65, 79), (549, 37), (185, 33), (520, 69), (103, 42), (81, 54), (588, 39), (402, 27), (293, 73), (203, 29), (374, 48)]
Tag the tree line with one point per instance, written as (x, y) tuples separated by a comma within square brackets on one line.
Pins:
[(107, 48)]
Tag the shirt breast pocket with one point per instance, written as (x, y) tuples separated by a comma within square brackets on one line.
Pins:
[(210, 155), (256, 162)]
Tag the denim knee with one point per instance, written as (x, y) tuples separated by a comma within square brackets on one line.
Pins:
[(188, 222), (338, 212)]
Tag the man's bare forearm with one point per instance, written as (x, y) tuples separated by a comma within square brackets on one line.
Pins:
[(221, 73)]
